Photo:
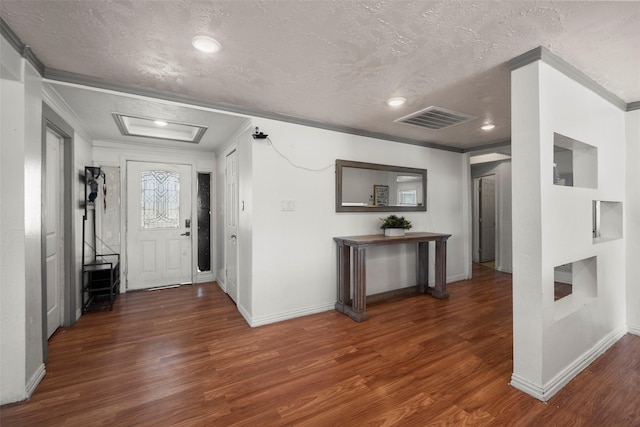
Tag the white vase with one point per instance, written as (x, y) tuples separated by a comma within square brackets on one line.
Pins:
[(394, 232)]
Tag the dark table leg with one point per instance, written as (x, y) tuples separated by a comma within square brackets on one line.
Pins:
[(344, 277), (423, 267), (359, 307), (440, 290)]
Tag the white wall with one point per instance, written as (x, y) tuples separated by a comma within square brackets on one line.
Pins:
[(12, 244), (33, 225), (21, 356), (502, 172), (632, 221), (293, 253), (552, 226)]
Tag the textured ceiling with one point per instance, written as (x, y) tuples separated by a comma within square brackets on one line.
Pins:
[(337, 62)]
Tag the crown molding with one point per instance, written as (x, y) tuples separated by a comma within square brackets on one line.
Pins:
[(545, 55), (633, 106), (537, 54), (23, 49), (54, 75), (499, 144)]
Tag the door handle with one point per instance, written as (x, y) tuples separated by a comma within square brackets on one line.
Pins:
[(188, 233), (233, 236)]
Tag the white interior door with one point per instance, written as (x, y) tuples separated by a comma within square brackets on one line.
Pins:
[(159, 242), (231, 225), (53, 220), (487, 219)]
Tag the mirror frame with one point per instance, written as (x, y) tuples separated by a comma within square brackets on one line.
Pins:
[(361, 165)]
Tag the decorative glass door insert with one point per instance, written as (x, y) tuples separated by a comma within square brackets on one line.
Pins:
[(160, 199)]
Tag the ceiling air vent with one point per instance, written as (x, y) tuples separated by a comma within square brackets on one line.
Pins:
[(435, 118)]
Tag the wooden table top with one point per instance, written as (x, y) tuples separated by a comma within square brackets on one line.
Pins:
[(381, 239)]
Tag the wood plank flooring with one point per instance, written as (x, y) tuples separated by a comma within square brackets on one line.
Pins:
[(185, 357)]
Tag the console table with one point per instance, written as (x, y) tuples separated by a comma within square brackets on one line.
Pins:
[(356, 308)]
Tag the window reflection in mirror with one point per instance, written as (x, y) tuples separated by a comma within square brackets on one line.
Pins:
[(369, 187)]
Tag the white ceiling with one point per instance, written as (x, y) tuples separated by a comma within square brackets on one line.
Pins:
[(334, 62)]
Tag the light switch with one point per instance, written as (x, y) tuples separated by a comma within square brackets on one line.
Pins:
[(288, 205)]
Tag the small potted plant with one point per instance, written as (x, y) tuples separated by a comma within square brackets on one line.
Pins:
[(394, 225)]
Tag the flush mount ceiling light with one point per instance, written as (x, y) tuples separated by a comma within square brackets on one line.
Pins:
[(206, 44), (152, 128), (487, 126), (396, 101)]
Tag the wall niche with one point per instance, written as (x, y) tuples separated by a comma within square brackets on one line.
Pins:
[(607, 221), (575, 285), (575, 164)]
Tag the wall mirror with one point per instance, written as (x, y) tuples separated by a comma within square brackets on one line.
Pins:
[(370, 187)]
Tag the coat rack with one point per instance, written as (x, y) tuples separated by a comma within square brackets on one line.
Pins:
[(101, 275)]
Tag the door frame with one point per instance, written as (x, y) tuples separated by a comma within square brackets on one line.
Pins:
[(56, 198), (154, 158), (475, 224), (50, 119), (233, 149)]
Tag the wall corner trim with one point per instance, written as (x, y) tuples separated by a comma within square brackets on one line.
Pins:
[(543, 54)]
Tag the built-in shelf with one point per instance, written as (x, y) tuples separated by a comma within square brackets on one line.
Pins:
[(575, 164), (607, 221), (582, 277)]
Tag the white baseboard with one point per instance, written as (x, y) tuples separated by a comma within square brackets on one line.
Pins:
[(279, 317), (528, 387), (220, 282), (547, 391), (35, 379), (455, 278), (204, 277), (633, 329), (245, 314)]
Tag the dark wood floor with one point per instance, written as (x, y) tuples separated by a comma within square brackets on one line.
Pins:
[(186, 357)]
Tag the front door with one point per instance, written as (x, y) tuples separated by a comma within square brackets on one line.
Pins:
[(231, 225), (53, 219), (158, 225)]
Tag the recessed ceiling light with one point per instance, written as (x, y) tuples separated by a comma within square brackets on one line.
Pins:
[(206, 44), (160, 122), (396, 101), (488, 126)]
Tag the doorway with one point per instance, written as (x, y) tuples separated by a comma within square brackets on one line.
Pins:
[(485, 220), (159, 240), (57, 155), (54, 230)]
